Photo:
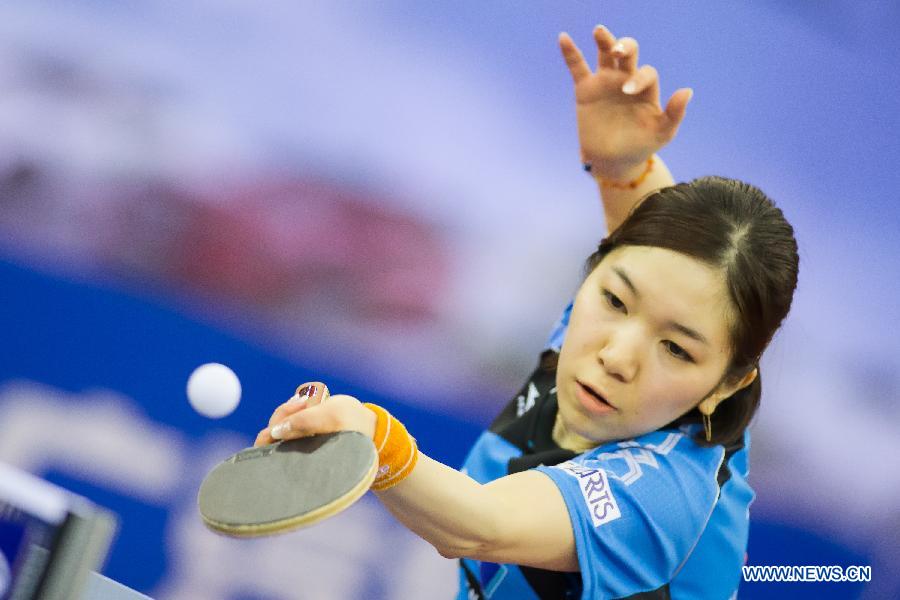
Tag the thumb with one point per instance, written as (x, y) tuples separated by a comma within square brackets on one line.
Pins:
[(675, 110), (312, 421)]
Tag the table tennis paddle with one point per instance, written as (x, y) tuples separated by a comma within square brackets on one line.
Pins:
[(287, 485)]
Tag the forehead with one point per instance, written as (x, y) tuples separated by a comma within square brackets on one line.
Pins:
[(673, 286)]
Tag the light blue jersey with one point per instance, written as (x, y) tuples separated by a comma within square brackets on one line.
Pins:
[(658, 516)]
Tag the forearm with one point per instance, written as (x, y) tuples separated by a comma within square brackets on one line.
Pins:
[(494, 522), (618, 203), (445, 507)]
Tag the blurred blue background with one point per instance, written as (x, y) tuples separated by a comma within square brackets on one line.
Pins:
[(387, 197)]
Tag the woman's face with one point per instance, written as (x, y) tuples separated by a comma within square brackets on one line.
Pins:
[(649, 334)]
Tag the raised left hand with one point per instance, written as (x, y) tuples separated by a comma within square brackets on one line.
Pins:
[(620, 120)]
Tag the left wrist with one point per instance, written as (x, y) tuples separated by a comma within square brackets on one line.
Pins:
[(629, 178), (624, 171)]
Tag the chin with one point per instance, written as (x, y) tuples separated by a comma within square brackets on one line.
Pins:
[(582, 426)]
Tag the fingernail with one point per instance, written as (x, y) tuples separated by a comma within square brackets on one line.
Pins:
[(304, 393), (630, 87), (600, 27), (279, 430), (619, 48)]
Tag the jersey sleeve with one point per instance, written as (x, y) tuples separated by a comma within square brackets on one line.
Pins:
[(637, 510)]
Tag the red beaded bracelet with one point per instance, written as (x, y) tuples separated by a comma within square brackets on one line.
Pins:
[(624, 185)]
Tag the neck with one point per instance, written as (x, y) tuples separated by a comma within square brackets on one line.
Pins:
[(569, 439)]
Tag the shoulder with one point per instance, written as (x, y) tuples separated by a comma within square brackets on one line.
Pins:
[(638, 507), (658, 455), (648, 470), (558, 332)]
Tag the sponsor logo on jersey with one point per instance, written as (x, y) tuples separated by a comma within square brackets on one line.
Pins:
[(594, 487), (625, 464), (524, 402)]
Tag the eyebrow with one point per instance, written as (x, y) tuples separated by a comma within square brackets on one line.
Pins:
[(691, 333)]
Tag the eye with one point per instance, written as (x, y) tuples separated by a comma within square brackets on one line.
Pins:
[(613, 301), (677, 351)]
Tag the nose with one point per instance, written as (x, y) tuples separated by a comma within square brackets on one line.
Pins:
[(619, 356)]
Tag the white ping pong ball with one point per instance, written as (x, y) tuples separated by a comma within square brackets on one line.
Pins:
[(213, 390)]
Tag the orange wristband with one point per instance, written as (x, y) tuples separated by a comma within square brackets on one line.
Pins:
[(397, 450), (629, 185)]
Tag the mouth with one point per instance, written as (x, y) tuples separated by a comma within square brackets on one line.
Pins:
[(592, 399)]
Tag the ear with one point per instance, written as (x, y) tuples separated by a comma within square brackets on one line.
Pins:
[(709, 404)]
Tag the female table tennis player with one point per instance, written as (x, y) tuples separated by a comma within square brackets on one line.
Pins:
[(619, 471)]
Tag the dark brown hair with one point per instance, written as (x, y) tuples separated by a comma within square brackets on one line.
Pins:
[(735, 227)]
